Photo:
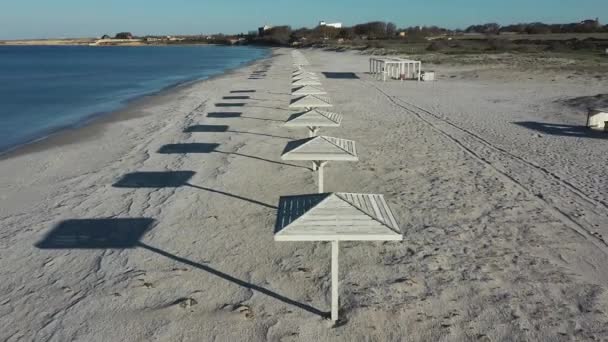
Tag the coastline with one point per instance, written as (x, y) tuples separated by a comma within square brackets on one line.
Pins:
[(90, 126)]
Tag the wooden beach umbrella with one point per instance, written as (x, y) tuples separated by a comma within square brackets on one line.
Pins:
[(335, 217), (314, 119), (306, 81), (310, 75), (298, 71), (310, 101), (301, 62), (308, 90), (321, 150)]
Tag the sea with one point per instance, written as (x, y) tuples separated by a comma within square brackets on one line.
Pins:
[(44, 89)]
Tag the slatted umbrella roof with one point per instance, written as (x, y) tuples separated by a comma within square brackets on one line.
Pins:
[(306, 81), (306, 75), (321, 148), (308, 90), (310, 101), (335, 217), (315, 118)]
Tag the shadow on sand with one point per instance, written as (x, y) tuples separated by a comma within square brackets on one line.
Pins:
[(239, 97), (563, 130), (224, 115), (126, 233), (242, 91), (173, 179), (236, 104), (194, 148), (225, 128), (341, 75), (231, 115)]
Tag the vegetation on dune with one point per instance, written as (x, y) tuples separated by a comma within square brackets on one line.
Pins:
[(381, 37)]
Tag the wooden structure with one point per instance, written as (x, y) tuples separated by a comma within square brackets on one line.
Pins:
[(320, 150), (598, 119), (398, 68), (305, 81), (310, 101), (308, 90), (304, 75), (314, 119), (335, 217)]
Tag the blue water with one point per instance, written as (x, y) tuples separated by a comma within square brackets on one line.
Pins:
[(46, 88)]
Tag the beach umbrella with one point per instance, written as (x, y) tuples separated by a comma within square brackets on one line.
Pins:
[(335, 217), (310, 101), (320, 150), (306, 81), (314, 119), (310, 75), (308, 90)]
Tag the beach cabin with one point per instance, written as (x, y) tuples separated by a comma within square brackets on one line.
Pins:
[(598, 119)]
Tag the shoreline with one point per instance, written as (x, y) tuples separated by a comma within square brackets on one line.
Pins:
[(68, 134)]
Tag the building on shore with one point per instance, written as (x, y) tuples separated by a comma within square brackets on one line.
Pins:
[(334, 25), (263, 30)]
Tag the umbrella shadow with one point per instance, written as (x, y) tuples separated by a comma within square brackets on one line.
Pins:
[(236, 97), (126, 233), (230, 115), (242, 91), (236, 104), (225, 128), (563, 130), (173, 179), (212, 148), (341, 75), (224, 115)]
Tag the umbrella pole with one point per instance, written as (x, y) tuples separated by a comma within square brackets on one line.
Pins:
[(334, 281), (320, 166), (312, 131)]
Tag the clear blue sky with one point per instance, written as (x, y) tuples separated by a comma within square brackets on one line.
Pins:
[(88, 18)]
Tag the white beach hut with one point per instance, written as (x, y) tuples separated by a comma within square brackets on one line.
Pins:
[(598, 119), (335, 217)]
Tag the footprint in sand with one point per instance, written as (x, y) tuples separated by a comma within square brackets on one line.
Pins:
[(411, 286), (244, 310), (185, 303)]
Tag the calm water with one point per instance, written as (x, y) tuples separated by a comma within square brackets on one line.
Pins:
[(43, 89)]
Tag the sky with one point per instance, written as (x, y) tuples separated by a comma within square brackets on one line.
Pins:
[(25, 19)]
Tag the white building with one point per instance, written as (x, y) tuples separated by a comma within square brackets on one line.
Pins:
[(334, 25), (598, 119), (263, 29)]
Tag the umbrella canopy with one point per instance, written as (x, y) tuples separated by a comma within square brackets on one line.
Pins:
[(305, 81), (321, 148), (314, 118), (310, 101), (335, 217), (308, 90)]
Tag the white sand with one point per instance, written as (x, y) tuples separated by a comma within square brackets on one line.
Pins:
[(504, 222)]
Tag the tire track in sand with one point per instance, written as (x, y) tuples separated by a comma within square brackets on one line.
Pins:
[(569, 204)]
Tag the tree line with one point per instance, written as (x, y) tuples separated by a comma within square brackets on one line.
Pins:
[(281, 35)]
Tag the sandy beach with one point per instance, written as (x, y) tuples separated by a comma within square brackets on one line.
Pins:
[(501, 195)]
